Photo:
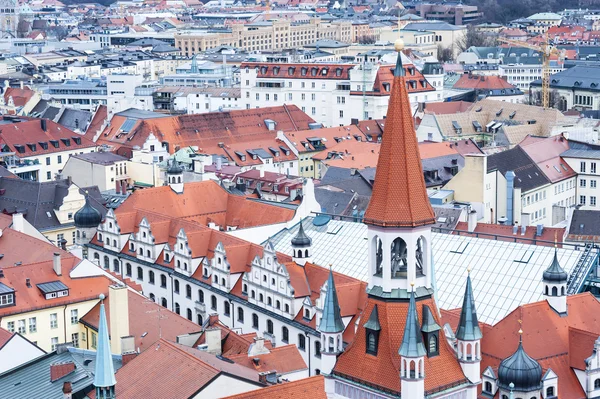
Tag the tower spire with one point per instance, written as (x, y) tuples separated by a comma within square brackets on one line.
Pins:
[(331, 322), (104, 375), (468, 326), (412, 341), (399, 195)]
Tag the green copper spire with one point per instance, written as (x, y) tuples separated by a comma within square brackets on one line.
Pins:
[(104, 375), (468, 326), (412, 341), (331, 322)]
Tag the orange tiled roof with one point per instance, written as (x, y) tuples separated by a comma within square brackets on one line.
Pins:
[(31, 298), (283, 359), (399, 195), (20, 96), (498, 231), (307, 388), (449, 107), (556, 342), (385, 79), (381, 371), (469, 81), (143, 315)]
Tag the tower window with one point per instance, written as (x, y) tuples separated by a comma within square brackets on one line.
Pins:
[(433, 344), (371, 343)]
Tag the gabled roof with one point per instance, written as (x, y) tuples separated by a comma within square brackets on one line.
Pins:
[(282, 359), (528, 175), (307, 388), (399, 196)]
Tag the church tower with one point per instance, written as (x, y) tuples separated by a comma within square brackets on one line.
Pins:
[(104, 375), (399, 215)]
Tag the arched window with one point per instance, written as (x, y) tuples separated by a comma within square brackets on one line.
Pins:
[(285, 334), (287, 308), (140, 274), (201, 296), (163, 302), (148, 253), (152, 297), (163, 281), (504, 397), (306, 253), (260, 297), (189, 314), (307, 314), (597, 383), (96, 256), (252, 294), (213, 302), (550, 391), (269, 301), (141, 251), (562, 291), (377, 255), (226, 308), (106, 262), (114, 243), (277, 305), (151, 277), (331, 345), (128, 269), (199, 319), (487, 387), (546, 291), (240, 315), (301, 342), (223, 282), (299, 254), (177, 308), (254, 320), (176, 286), (269, 326), (398, 258), (245, 288), (318, 348), (554, 291), (116, 265), (188, 291), (178, 264), (99, 237)]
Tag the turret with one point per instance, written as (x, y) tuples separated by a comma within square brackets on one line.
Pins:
[(555, 286), (301, 247), (331, 328), (520, 374), (175, 177), (104, 375), (86, 222), (468, 337), (412, 355)]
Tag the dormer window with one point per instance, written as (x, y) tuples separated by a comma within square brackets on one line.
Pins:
[(7, 296), (307, 314), (54, 289), (372, 328)]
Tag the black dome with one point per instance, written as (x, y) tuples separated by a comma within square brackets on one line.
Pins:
[(87, 216), (521, 370), (301, 240), (555, 273), (174, 169)]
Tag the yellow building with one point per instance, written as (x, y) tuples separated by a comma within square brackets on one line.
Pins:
[(270, 36), (543, 21), (43, 303)]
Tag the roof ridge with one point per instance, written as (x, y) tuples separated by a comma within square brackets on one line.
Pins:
[(177, 348)]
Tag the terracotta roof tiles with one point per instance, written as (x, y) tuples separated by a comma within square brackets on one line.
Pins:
[(283, 359), (307, 388)]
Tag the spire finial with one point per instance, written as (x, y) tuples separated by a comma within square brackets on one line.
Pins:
[(555, 240), (399, 46)]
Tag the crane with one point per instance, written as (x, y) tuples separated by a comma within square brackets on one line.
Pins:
[(547, 50)]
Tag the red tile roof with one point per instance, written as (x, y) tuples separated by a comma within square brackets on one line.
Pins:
[(555, 341), (415, 81), (283, 359), (545, 152), (500, 232), (300, 71), (307, 388), (31, 298), (181, 372), (381, 371), (31, 132), (207, 130), (143, 321), (470, 81), (5, 336), (20, 96), (399, 196), (449, 107), (20, 247)]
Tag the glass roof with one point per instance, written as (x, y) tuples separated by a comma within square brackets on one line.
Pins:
[(505, 274)]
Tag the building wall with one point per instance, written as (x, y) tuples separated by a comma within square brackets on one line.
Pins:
[(587, 184), (44, 334), (52, 164), (16, 352), (225, 385)]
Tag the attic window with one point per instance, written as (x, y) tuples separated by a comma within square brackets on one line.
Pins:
[(54, 289), (477, 126), (32, 146), (20, 148), (241, 155), (338, 71), (512, 114), (386, 87), (276, 70), (457, 127), (499, 112), (324, 71), (314, 71), (303, 71), (264, 70), (478, 109), (77, 140), (43, 144), (291, 70), (54, 143)]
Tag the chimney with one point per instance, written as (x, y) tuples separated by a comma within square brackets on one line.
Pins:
[(258, 347), (261, 172), (127, 344), (219, 161), (67, 390), (56, 265), (515, 229), (118, 302), (21, 85), (523, 229), (43, 124), (18, 222), (262, 377), (212, 338), (127, 357), (472, 221), (28, 282), (213, 318), (540, 230)]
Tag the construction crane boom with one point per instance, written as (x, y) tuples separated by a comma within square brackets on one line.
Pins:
[(546, 50)]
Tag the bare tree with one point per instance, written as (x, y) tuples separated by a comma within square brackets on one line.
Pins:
[(474, 38), (445, 54)]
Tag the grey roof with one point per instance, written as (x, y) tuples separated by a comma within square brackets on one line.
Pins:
[(37, 201), (75, 119), (5, 289), (331, 322), (139, 114), (578, 77), (412, 340), (468, 326), (429, 324), (505, 274), (527, 174), (555, 273), (585, 223), (32, 379), (373, 322), (429, 26), (327, 43), (588, 154), (101, 157), (147, 42), (53, 286)]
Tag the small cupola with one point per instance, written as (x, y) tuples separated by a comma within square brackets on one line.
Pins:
[(88, 216), (521, 370), (175, 177), (301, 246)]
